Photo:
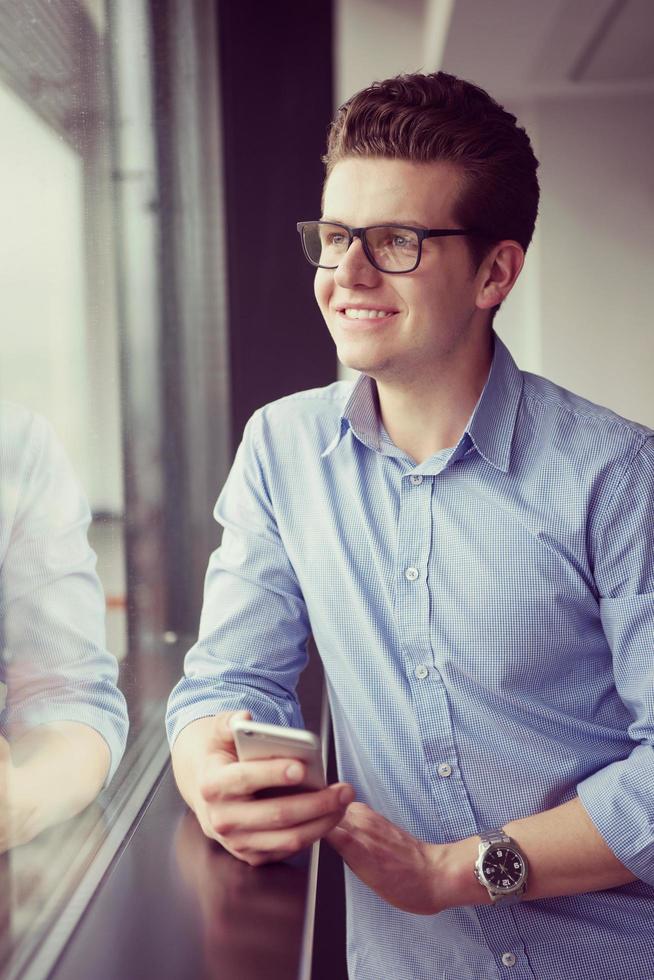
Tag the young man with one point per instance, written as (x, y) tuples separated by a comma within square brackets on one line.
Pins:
[(471, 547)]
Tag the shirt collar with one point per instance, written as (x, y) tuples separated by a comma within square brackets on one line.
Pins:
[(490, 427), (492, 422), (360, 414)]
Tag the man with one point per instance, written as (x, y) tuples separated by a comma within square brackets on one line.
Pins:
[(471, 547), (63, 721)]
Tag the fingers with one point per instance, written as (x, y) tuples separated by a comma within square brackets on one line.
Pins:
[(344, 845), (282, 812), (359, 816), (359, 828), (239, 779), (337, 838), (259, 831), (264, 846)]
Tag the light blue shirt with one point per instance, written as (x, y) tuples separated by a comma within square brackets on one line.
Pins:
[(486, 624), (53, 657)]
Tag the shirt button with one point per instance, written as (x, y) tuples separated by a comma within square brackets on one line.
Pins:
[(445, 769), (422, 671), (508, 959), (416, 479), (411, 573)]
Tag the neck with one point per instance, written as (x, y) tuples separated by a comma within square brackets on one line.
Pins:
[(428, 413)]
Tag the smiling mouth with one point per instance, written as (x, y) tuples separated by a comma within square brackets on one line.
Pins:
[(358, 314)]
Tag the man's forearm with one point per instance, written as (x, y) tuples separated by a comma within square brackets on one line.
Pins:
[(566, 855)]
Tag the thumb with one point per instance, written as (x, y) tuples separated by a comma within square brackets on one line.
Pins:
[(222, 736), (339, 839)]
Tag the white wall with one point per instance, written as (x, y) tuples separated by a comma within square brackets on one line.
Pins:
[(597, 249), (374, 39), (586, 295)]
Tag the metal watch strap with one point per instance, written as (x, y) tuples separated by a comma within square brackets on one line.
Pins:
[(498, 836), (495, 836)]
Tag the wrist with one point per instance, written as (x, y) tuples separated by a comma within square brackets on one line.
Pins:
[(451, 874), (190, 756)]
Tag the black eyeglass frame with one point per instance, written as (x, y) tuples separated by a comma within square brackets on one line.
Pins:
[(421, 234)]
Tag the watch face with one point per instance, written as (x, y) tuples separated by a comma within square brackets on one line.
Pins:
[(503, 867)]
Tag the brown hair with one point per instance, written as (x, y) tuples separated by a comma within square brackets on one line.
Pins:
[(439, 117)]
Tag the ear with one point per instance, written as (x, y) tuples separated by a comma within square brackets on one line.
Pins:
[(498, 273)]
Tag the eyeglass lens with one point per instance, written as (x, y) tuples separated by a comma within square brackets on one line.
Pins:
[(391, 249)]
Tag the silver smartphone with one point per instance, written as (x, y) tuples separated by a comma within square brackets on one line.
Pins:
[(255, 740)]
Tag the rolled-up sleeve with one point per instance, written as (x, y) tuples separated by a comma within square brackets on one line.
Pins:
[(254, 625), (620, 798), (54, 659)]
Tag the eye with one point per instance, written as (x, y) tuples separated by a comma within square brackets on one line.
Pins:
[(334, 238), (404, 242)]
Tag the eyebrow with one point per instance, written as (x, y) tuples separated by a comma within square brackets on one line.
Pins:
[(409, 223)]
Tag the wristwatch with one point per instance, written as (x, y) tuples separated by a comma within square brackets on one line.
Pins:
[(501, 867)]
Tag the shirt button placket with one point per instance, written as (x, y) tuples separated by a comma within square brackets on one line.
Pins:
[(508, 959)]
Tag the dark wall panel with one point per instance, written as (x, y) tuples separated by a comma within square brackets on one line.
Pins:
[(276, 78)]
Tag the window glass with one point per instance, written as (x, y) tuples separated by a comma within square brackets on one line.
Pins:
[(84, 644)]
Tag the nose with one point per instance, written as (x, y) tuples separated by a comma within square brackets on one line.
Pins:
[(355, 269)]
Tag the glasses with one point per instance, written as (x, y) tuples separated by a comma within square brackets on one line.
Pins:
[(390, 248)]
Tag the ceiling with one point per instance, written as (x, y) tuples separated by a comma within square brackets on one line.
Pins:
[(530, 48), (517, 49)]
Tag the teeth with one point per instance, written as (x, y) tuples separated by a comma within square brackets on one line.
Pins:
[(365, 314)]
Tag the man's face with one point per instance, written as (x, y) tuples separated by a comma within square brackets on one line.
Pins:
[(431, 313)]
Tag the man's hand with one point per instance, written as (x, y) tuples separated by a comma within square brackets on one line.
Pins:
[(401, 869), (220, 790)]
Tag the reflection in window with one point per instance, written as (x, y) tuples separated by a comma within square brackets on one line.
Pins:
[(60, 349), (78, 246)]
